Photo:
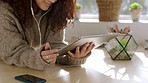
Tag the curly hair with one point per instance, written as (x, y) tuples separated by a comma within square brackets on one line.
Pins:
[(58, 16)]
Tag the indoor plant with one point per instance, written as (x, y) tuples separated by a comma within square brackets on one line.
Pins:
[(135, 11), (77, 11), (122, 47), (109, 9)]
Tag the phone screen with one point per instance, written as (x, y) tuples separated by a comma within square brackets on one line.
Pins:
[(30, 79)]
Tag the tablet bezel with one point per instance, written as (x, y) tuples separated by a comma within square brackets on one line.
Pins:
[(98, 40)]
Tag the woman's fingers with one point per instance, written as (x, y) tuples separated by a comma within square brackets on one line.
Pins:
[(82, 52), (50, 55), (48, 52), (71, 54), (77, 51), (47, 46), (90, 47), (76, 54), (85, 47), (52, 61), (50, 58)]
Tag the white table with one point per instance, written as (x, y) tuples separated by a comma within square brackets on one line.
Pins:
[(99, 68)]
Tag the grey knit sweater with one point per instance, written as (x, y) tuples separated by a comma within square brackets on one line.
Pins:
[(22, 48)]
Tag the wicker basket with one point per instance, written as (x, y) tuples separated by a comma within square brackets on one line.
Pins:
[(109, 9)]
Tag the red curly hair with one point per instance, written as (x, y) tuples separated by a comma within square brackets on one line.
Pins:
[(58, 16)]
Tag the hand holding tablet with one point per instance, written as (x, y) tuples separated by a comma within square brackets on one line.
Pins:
[(97, 40)]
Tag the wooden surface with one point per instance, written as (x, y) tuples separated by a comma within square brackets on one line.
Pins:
[(99, 68)]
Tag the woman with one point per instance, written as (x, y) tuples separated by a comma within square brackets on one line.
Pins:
[(32, 31)]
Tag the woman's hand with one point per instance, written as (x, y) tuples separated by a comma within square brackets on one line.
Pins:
[(49, 55), (79, 53)]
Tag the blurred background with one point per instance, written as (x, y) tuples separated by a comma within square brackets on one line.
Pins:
[(89, 9)]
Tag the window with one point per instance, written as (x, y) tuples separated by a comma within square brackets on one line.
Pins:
[(89, 9)]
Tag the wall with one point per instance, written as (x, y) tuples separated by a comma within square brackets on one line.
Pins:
[(139, 29)]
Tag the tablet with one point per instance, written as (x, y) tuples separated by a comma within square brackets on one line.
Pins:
[(98, 40)]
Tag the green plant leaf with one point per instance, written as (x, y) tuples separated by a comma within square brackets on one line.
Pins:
[(78, 6), (135, 5)]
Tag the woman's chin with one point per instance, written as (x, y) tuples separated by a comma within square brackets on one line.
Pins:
[(44, 8)]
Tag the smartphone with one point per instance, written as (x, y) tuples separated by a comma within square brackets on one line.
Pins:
[(30, 79)]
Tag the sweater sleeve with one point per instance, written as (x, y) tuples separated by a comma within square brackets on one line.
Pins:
[(13, 46)]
